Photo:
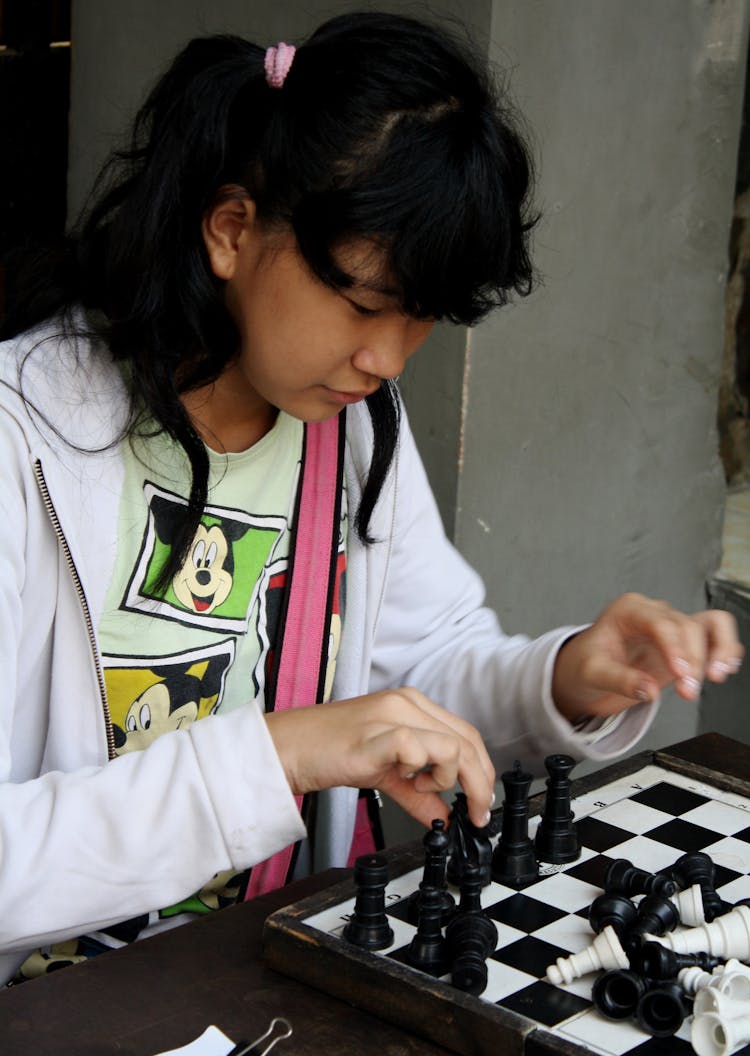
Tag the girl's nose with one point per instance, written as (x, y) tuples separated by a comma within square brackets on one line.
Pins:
[(386, 350)]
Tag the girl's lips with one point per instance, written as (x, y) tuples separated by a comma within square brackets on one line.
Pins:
[(346, 397)]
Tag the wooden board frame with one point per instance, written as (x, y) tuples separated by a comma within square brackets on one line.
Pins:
[(431, 1008)]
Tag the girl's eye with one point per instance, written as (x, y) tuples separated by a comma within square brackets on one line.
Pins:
[(362, 309)]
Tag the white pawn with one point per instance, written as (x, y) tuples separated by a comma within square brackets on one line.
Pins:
[(605, 952), (727, 936), (689, 905), (711, 1035)]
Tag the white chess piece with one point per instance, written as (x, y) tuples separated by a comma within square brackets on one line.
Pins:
[(723, 1002), (727, 936), (604, 952), (689, 905), (711, 1035), (693, 979)]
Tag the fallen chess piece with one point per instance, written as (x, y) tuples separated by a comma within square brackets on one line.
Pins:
[(689, 905), (624, 878), (659, 962), (711, 999), (712, 1035), (696, 867), (604, 952), (662, 1009), (726, 936)]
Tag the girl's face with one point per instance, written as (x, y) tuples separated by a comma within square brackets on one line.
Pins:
[(305, 348)]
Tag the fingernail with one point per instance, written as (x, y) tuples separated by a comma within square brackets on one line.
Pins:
[(681, 665), (643, 695), (487, 819), (492, 801), (690, 686), (718, 670), (735, 663)]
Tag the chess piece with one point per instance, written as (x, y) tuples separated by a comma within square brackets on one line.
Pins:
[(426, 950), (605, 952), (623, 878), (712, 1035), (615, 910), (689, 905), (696, 867), (656, 916), (726, 936), (436, 845), (368, 926), (513, 860), (617, 992), (661, 1010), (712, 999), (658, 962), (556, 837), (468, 843), (470, 937)]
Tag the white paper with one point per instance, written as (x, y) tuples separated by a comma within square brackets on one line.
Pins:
[(212, 1042)]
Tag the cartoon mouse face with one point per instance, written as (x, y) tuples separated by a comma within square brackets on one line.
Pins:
[(149, 716), (204, 581)]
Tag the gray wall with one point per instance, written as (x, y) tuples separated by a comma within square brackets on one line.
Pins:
[(583, 459)]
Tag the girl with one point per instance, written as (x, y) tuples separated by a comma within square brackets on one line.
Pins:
[(215, 515)]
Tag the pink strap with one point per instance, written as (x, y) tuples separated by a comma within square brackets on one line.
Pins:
[(304, 648)]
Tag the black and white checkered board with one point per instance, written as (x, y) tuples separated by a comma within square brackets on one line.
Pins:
[(650, 817)]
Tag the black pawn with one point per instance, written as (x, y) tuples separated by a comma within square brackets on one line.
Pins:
[(513, 860), (617, 911), (556, 838), (662, 1009), (436, 845), (616, 993), (659, 962), (469, 845), (368, 926), (696, 867), (624, 878), (470, 937), (426, 950)]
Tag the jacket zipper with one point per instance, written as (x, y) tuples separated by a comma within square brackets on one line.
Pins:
[(52, 513)]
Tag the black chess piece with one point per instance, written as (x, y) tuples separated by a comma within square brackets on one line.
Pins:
[(656, 916), (427, 949), (662, 1008), (513, 860), (624, 878), (470, 937), (615, 910), (436, 845), (616, 993), (368, 926), (659, 962), (556, 837), (468, 843), (696, 867)]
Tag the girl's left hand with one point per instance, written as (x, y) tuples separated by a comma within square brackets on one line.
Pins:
[(636, 647)]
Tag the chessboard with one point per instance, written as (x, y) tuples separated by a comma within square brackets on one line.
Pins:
[(650, 810)]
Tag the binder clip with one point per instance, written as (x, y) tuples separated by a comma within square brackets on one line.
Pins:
[(278, 1030)]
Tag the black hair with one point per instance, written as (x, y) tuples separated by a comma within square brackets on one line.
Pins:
[(386, 128)]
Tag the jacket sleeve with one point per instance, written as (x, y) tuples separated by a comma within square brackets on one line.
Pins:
[(84, 842), (434, 632)]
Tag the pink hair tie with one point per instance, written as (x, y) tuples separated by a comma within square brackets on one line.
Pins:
[(278, 62)]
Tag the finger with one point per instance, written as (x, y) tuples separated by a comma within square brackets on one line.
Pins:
[(605, 675), (679, 639), (424, 806), (455, 724), (724, 651)]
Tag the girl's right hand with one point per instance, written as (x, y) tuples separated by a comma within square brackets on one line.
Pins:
[(397, 741)]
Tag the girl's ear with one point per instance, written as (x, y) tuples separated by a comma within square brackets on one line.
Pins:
[(229, 219)]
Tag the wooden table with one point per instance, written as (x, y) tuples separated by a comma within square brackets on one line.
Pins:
[(163, 992)]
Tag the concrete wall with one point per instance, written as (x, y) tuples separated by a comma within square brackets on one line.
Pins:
[(584, 459)]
